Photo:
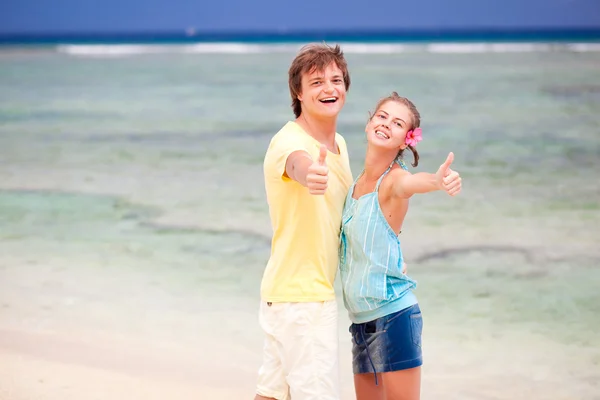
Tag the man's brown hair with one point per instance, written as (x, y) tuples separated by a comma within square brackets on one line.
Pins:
[(314, 57)]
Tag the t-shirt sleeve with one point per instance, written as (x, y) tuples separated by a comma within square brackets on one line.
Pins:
[(280, 149), (343, 147)]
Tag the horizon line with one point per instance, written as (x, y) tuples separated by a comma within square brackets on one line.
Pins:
[(191, 35)]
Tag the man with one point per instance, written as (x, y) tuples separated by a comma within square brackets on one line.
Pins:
[(307, 176)]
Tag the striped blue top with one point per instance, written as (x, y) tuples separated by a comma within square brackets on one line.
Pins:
[(371, 260)]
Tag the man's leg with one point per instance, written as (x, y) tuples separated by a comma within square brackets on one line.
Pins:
[(310, 346), (271, 384)]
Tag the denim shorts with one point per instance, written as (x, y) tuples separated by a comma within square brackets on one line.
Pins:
[(389, 343)]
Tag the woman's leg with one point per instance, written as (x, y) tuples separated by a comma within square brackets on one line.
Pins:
[(402, 385), (402, 380), (364, 341), (391, 344), (364, 385)]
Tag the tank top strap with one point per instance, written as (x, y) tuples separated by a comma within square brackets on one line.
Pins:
[(402, 164), (382, 176), (357, 178)]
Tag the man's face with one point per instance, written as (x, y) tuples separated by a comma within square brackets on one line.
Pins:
[(323, 92)]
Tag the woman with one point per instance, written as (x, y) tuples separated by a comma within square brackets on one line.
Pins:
[(386, 319)]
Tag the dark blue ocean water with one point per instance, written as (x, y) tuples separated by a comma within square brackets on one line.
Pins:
[(402, 36)]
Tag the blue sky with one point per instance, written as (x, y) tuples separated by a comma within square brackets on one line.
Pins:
[(36, 16)]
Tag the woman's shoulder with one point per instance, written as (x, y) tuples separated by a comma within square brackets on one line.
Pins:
[(396, 172), (389, 182)]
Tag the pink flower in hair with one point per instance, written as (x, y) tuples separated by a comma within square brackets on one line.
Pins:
[(413, 137)]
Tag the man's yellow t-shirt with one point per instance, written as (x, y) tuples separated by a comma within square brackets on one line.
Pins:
[(306, 228)]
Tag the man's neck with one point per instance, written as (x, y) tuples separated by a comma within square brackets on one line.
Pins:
[(321, 129)]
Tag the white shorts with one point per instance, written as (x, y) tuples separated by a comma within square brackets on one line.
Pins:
[(300, 357)]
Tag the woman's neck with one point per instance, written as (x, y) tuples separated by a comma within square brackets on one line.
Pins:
[(377, 162)]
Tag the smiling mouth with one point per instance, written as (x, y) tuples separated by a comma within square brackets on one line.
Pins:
[(381, 134), (329, 100)]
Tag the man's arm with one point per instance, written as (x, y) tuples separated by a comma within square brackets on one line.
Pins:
[(296, 166), (300, 167)]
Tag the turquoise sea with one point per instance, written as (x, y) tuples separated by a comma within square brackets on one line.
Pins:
[(132, 210)]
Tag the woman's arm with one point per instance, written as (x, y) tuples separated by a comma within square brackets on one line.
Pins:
[(407, 184)]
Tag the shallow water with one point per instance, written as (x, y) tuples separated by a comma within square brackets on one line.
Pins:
[(132, 197)]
